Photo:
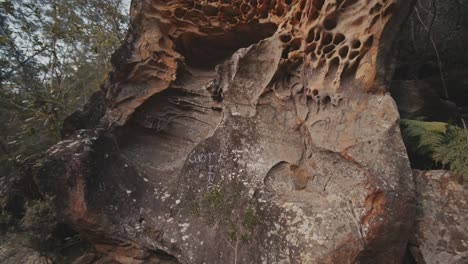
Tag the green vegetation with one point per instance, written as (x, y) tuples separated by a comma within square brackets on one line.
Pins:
[(244, 229), (53, 55), (221, 206), (441, 143)]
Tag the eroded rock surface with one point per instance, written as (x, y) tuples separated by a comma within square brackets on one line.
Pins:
[(13, 251), (243, 132), (440, 233)]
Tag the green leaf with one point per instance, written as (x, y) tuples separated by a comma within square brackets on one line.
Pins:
[(445, 144)]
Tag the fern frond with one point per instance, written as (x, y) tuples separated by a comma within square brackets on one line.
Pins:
[(444, 144), (425, 136), (454, 152), (417, 126)]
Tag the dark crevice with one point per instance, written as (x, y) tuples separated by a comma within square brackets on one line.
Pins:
[(409, 258), (164, 256)]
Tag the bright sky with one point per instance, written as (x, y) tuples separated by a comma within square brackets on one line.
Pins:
[(126, 4)]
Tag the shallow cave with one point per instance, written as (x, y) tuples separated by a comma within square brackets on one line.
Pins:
[(205, 52)]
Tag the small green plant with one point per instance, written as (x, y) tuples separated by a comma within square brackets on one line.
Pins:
[(444, 144), (249, 224), (221, 206), (250, 218), (214, 203)]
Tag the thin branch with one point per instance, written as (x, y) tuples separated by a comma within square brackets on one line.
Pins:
[(439, 62), (22, 63), (434, 15)]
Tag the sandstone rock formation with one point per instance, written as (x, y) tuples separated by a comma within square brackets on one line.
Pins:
[(242, 132), (441, 220)]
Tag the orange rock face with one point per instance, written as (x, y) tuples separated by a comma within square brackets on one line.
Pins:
[(327, 46)]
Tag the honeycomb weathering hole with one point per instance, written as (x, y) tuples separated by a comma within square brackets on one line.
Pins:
[(329, 24), (344, 52), (356, 44), (338, 38), (327, 39)]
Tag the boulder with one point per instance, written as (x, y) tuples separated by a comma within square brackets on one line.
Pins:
[(242, 132), (417, 99), (440, 234)]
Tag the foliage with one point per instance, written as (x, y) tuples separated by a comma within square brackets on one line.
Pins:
[(443, 143), (53, 55), (218, 207), (214, 205)]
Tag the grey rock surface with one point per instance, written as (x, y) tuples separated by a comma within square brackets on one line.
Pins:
[(441, 228)]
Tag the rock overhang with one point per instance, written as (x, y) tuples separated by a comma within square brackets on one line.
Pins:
[(289, 148)]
